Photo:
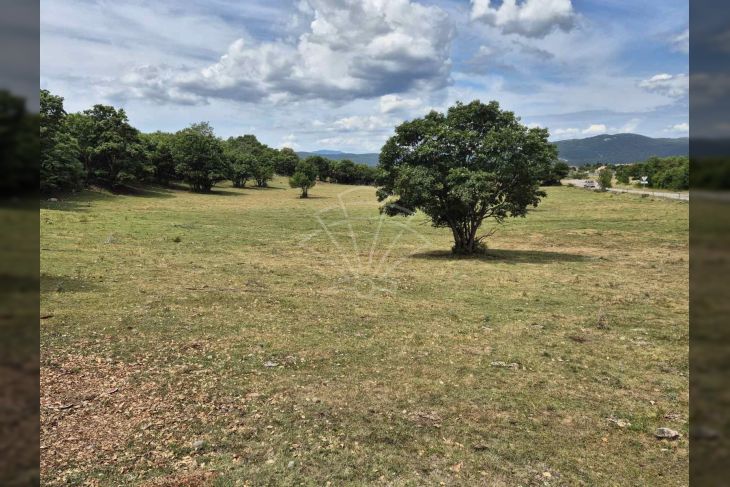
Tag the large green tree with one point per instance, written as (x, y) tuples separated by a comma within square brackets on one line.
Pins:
[(60, 166), (323, 166), (160, 164), (199, 158), (250, 159), (474, 163), (110, 147), (286, 161)]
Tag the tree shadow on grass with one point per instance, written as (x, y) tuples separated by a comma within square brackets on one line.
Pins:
[(225, 192), (508, 256), (75, 201), (65, 284)]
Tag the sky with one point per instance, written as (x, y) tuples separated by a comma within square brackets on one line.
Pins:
[(341, 74)]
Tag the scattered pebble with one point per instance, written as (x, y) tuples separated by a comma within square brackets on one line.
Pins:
[(270, 364)]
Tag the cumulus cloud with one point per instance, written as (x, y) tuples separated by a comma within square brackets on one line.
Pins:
[(630, 126), (678, 128), (352, 49), (673, 85), (394, 103), (565, 132), (366, 123), (289, 141), (680, 42), (595, 129), (154, 83), (530, 18)]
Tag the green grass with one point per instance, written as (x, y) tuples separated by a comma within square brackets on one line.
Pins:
[(383, 359)]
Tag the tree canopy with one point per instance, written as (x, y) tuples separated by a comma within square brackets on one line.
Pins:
[(304, 177), (475, 162), (199, 156), (286, 161), (109, 147), (60, 167)]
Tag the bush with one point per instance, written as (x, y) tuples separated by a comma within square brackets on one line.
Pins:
[(605, 178)]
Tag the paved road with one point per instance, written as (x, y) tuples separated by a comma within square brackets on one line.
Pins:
[(659, 194)]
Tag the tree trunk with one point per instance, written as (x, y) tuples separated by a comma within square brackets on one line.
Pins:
[(465, 241), (304, 193)]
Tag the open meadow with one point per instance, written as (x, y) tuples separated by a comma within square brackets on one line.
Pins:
[(248, 337)]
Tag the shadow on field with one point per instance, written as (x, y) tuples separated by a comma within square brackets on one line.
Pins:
[(146, 191), (65, 284), (223, 192), (509, 256), (75, 202)]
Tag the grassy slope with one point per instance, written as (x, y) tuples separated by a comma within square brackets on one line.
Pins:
[(383, 375)]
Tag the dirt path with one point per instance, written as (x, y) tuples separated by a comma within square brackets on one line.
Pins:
[(659, 194)]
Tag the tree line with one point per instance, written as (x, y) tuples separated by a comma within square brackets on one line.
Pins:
[(660, 172), (99, 147)]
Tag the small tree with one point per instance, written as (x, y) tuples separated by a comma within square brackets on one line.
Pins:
[(475, 162), (304, 177), (199, 157), (605, 178)]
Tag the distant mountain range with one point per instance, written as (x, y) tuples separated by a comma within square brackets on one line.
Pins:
[(617, 148), (371, 159)]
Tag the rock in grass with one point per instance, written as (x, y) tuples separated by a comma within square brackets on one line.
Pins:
[(505, 365), (666, 434), (270, 364), (198, 445), (621, 423)]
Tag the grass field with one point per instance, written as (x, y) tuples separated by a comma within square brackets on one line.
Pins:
[(241, 338)]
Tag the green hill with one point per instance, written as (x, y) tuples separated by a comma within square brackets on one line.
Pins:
[(619, 148), (371, 159)]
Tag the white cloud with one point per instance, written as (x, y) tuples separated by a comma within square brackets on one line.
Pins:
[(630, 126), (530, 18), (351, 143), (290, 141), (395, 103), (595, 129), (680, 42), (366, 123), (565, 132), (352, 49), (679, 128), (675, 86)]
